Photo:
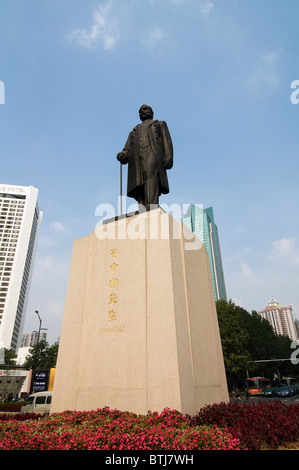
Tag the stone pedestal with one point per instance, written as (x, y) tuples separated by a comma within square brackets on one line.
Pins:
[(140, 329)]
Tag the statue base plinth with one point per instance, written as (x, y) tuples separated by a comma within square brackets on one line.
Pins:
[(140, 329)]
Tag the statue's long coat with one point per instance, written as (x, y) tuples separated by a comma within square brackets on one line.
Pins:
[(161, 145)]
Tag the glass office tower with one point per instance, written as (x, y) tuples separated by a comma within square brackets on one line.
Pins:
[(201, 222)]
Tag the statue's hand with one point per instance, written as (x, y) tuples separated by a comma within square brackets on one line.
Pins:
[(167, 165), (121, 157)]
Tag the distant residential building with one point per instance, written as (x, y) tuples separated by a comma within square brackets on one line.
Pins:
[(201, 222), (20, 220), (281, 318), (31, 339)]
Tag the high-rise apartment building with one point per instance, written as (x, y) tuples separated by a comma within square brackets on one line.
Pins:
[(20, 220), (201, 222), (32, 339), (281, 318)]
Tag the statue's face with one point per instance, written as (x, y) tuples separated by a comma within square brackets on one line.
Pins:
[(146, 112)]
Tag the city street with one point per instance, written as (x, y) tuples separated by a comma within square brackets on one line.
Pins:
[(287, 400)]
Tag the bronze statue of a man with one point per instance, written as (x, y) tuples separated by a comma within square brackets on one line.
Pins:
[(149, 153)]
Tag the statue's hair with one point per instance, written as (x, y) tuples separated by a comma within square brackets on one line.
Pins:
[(146, 105)]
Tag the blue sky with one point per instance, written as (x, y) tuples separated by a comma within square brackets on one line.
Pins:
[(219, 72)]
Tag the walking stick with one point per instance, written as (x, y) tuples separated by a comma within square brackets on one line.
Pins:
[(121, 189)]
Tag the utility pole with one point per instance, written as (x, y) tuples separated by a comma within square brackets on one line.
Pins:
[(36, 351)]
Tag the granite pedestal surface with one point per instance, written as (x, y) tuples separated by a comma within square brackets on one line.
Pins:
[(140, 329)]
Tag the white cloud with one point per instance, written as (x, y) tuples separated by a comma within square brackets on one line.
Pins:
[(51, 264), (237, 302), (267, 72), (59, 227), (206, 8), (47, 293), (153, 37), (103, 31), (285, 249), (252, 278), (245, 269)]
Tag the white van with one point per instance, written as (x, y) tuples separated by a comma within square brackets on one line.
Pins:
[(39, 402)]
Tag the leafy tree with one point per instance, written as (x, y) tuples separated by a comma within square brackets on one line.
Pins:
[(234, 339), (10, 356), (246, 338), (41, 356)]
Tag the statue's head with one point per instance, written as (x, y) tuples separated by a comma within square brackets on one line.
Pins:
[(146, 112)]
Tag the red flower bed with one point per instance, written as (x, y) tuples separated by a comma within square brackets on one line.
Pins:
[(216, 427), (270, 423), (107, 429)]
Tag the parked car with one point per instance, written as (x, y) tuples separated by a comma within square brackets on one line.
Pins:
[(39, 402), (270, 392), (284, 391), (293, 390)]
